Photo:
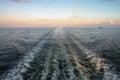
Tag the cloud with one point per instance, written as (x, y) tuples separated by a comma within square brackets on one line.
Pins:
[(19, 0), (109, 0)]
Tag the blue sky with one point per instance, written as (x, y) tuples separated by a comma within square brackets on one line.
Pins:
[(37, 9)]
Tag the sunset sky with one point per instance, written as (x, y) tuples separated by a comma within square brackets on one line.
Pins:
[(32, 13)]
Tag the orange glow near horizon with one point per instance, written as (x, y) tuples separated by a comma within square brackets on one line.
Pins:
[(72, 21), (37, 13)]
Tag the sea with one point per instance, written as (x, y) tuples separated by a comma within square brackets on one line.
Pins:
[(62, 53)]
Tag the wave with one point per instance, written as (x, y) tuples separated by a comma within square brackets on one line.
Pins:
[(24, 63)]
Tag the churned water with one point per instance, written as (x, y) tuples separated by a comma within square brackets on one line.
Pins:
[(60, 54)]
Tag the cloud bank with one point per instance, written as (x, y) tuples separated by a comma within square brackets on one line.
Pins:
[(19, 0), (46, 1), (109, 0)]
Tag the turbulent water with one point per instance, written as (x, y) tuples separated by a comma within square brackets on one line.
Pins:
[(60, 54)]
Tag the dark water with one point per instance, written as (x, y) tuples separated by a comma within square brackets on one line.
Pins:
[(104, 43), (60, 54), (14, 42)]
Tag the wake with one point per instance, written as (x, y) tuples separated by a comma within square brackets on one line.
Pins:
[(59, 56)]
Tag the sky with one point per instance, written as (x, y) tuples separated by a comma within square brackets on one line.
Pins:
[(32, 13)]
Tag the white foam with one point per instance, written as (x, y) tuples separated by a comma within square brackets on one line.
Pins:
[(15, 73), (108, 75)]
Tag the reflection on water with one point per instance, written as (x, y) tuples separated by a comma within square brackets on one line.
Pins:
[(105, 43), (59, 54)]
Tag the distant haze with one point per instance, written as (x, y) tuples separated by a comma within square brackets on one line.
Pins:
[(59, 12)]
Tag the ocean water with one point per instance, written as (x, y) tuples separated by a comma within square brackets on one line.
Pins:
[(60, 53)]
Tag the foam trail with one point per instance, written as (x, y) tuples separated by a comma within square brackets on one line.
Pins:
[(60, 56), (15, 73), (108, 74)]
